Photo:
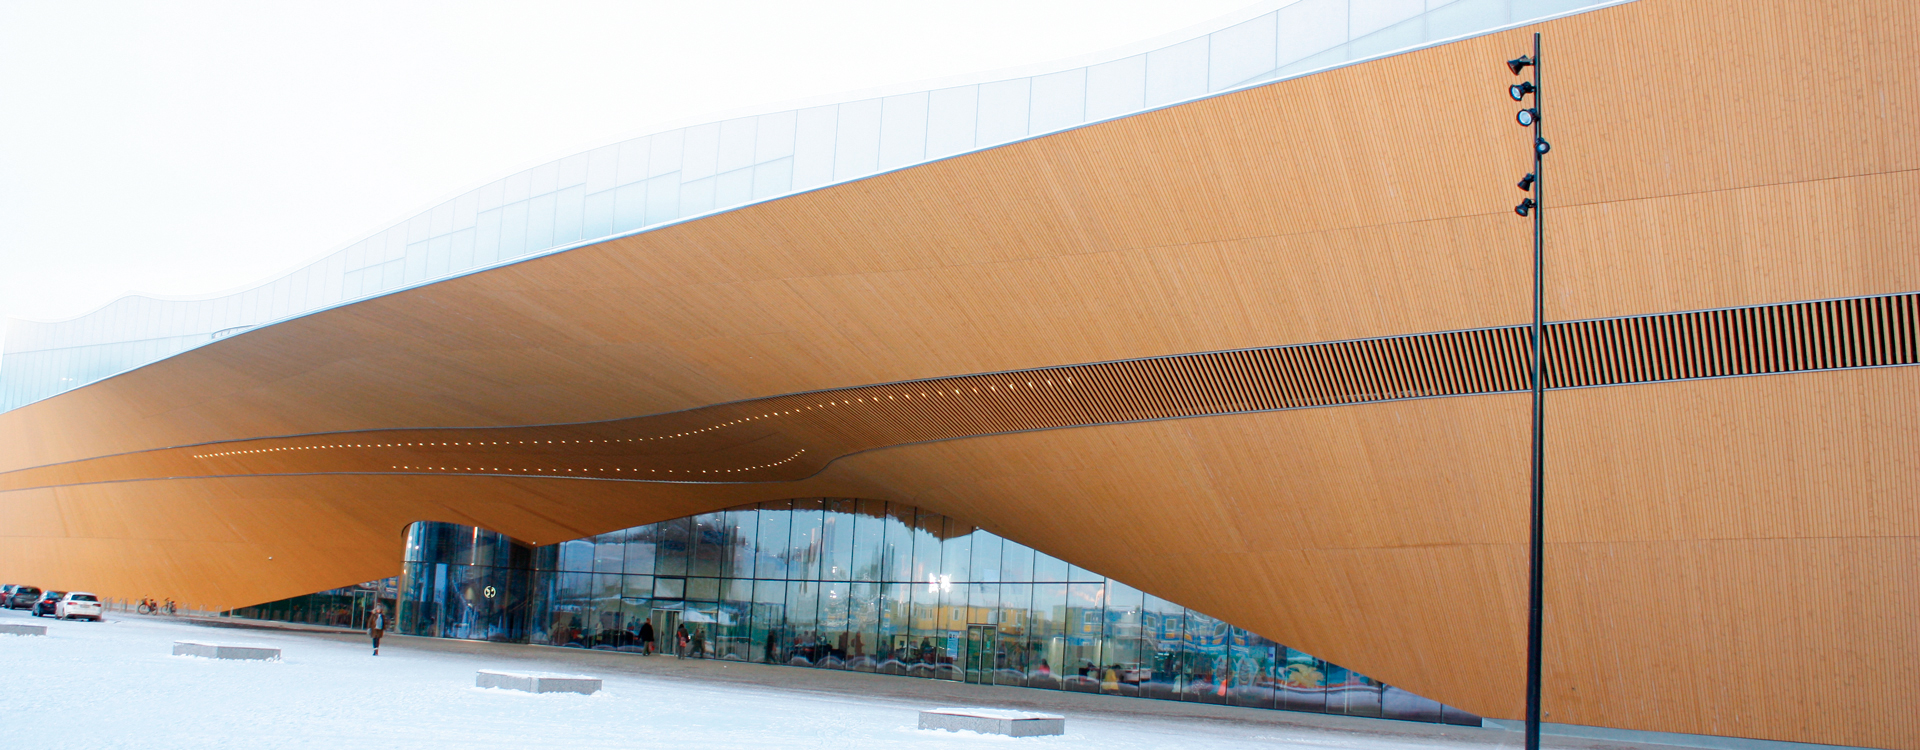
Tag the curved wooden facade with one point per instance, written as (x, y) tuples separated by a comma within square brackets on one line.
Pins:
[(1732, 536)]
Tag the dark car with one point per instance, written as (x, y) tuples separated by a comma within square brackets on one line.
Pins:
[(22, 597), (44, 607)]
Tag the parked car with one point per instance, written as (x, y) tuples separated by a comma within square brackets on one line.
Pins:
[(44, 607), (6, 592), (22, 597), (78, 605)]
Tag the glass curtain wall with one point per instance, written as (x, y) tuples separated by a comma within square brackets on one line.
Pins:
[(867, 586)]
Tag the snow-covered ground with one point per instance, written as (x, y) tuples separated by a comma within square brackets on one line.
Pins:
[(116, 684)]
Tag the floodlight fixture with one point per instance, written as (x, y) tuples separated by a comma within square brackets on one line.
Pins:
[(1541, 146), (1520, 90), (1527, 117), (1524, 207), (1519, 63), (1526, 183)]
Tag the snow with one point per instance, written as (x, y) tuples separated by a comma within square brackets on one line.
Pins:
[(993, 713), (116, 684)]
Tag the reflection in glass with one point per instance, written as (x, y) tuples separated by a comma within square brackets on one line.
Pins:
[(859, 585)]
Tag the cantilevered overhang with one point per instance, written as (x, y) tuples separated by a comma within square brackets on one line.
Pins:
[(1283, 311)]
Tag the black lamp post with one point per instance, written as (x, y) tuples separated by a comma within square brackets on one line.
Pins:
[(1534, 206)]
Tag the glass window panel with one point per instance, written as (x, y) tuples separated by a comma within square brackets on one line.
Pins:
[(603, 168), (1016, 562), (836, 624), (897, 555), (1406, 33), (986, 556), (664, 156), (517, 187), (1255, 667), (803, 602), (1368, 16), (513, 230), (700, 153), (869, 541), (775, 520), (950, 120), (610, 552), (568, 209), (1012, 654), (926, 633), (1205, 668), (1309, 27), (696, 197), (734, 637), (671, 546), (568, 609), (630, 207), (903, 130), (896, 610), (1003, 112), (663, 199), (577, 556), (1241, 52), (460, 256), (863, 614), (703, 589), (1351, 693), (1397, 703), (769, 619), (836, 534), (632, 161), (1164, 624), (669, 588), (803, 557), (1048, 569), (708, 541), (1078, 574), (1059, 100), (636, 597), (773, 136), (743, 527), (772, 178), (956, 553), (1046, 635), (856, 144), (640, 550), (927, 529), (1177, 73), (598, 215), (608, 620), (813, 147), (1302, 683), (950, 632), (733, 188), (736, 144), (1080, 667)]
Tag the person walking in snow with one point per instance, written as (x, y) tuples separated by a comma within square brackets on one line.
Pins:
[(646, 637), (377, 626)]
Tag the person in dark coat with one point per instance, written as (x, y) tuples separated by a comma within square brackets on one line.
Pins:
[(646, 637), (377, 626)]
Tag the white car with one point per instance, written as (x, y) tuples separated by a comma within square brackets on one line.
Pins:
[(77, 604)]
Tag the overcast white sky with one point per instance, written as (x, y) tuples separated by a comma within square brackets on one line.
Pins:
[(192, 148)]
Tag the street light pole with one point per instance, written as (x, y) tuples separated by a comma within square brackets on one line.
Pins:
[(1536, 542), (1536, 562)]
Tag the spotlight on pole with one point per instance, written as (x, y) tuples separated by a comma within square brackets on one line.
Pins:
[(1541, 146), (1526, 183), (1525, 207), (1526, 117), (1520, 90), (1516, 64)]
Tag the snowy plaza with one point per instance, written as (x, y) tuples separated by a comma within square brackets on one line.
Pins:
[(116, 684)]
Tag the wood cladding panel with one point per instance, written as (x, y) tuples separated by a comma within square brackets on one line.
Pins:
[(1730, 553), (1232, 222)]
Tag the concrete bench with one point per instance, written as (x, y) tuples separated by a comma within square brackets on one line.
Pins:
[(537, 682), (23, 630), (993, 721), (217, 651)]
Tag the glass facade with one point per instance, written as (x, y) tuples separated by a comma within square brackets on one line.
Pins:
[(866, 586), (665, 177), (342, 607)]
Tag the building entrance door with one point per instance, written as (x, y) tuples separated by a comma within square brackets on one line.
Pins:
[(983, 641), (666, 623)]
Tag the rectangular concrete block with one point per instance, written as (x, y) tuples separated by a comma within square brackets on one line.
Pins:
[(537, 682), (23, 630), (993, 721), (217, 651)]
